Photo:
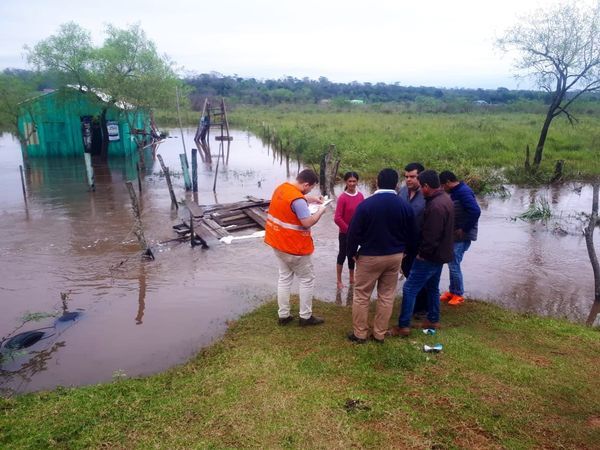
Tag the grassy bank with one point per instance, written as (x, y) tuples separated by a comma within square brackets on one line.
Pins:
[(502, 381), (485, 146)]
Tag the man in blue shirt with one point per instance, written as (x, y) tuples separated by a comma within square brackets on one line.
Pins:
[(383, 226), (466, 217)]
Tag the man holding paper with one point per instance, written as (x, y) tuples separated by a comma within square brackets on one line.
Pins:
[(288, 231)]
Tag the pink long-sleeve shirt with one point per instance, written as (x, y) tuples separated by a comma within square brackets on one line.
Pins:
[(346, 205)]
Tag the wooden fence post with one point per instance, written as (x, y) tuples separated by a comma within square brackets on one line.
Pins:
[(165, 170), (186, 172), (328, 171), (194, 170), (139, 176), (23, 183), (138, 228), (89, 171)]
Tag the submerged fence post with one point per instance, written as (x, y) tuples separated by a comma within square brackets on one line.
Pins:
[(186, 172), (90, 171), (194, 170), (180, 127), (138, 228), (139, 177), (23, 183), (165, 170), (140, 149)]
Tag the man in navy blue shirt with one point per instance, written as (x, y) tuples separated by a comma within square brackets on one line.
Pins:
[(466, 216), (383, 226)]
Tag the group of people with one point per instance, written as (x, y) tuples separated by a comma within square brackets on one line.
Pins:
[(429, 222)]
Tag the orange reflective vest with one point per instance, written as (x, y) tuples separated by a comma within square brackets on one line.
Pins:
[(283, 229)]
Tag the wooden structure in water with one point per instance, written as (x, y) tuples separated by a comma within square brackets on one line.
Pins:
[(214, 116), (213, 222)]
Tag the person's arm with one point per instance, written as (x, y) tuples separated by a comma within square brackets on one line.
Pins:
[(314, 218), (354, 237), (471, 208), (412, 233), (300, 208), (339, 214)]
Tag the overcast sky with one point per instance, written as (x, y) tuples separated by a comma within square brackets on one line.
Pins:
[(421, 43)]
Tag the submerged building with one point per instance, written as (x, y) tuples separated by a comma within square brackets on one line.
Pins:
[(71, 121)]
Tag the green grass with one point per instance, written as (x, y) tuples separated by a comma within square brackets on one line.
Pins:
[(503, 381), (483, 147)]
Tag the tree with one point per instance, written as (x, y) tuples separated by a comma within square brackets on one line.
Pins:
[(126, 70), (13, 91), (68, 55), (560, 49), (589, 241), (131, 73)]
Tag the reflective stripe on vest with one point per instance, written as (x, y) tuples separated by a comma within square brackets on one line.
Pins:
[(289, 226)]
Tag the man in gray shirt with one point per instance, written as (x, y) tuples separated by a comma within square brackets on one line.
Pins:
[(411, 192)]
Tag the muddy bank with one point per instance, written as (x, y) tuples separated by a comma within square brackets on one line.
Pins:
[(139, 318)]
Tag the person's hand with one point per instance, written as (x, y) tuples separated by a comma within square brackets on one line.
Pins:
[(314, 199), (459, 234)]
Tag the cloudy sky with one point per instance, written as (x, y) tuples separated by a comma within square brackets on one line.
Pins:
[(444, 43)]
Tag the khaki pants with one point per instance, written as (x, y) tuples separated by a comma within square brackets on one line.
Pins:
[(302, 267), (371, 270)]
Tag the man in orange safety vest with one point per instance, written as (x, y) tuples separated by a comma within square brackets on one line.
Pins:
[(288, 231)]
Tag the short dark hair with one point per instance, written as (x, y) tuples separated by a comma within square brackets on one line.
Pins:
[(414, 166), (429, 178), (387, 179), (307, 176), (446, 176)]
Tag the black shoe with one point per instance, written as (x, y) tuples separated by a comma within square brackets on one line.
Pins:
[(356, 340), (285, 320), (312, 320)]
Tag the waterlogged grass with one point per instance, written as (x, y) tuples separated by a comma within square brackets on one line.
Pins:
[(484, 147), (539, 210), (502, 381)]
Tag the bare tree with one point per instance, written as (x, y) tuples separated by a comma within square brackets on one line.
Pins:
[(560, 49), (589, 240)]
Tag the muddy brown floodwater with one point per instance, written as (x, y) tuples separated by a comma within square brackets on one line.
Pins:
[(140, 317)]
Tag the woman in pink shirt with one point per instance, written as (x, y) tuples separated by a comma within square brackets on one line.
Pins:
[(346, 205)]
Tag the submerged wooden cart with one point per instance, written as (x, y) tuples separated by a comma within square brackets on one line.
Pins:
[(212, 222)]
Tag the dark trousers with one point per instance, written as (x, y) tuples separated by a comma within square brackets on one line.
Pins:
[(421, 301), (343, 254)]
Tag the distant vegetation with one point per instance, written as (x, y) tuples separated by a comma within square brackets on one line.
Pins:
[(479, 133), (289, 90), (294, 91), (485, 147)]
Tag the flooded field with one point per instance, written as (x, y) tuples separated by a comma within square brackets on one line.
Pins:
[(142, 317)]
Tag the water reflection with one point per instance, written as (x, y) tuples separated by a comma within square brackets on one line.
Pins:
[(141, 295)]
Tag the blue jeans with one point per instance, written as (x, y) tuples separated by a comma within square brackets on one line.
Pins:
[(456, 278), (422, 274)]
